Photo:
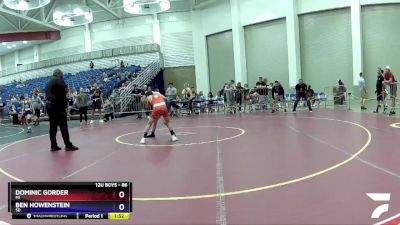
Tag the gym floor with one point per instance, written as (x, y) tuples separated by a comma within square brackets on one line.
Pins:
[(256, 168)]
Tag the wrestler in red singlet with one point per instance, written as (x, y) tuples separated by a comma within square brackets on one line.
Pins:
[(159, 109)]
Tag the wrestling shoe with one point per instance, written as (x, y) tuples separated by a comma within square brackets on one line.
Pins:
[(152, 135), (143, 141), (174, 138)]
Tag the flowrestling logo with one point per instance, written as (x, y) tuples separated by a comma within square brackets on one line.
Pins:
[(380, 197)]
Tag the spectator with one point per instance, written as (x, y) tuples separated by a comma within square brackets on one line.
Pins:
[(137, 94), (392, 83), (301, 92), (36, 105), (172, 94), (2, 107), (363, 91), (229, 91), (261, 88), (97, 98), (91, 65), (122, 64), (278, 95), (188, 94), (239, 95), (310, 94), (340, 92), (108, 110), (379, 89), (70, 97), (83, 105)]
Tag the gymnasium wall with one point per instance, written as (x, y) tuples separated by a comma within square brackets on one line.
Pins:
[(220, 60), (381, 46), (184, 39), (179, 76), (326, 48), (8, 61), (266, 52)]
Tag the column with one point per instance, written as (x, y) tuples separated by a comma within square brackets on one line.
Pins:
[(356, 40), (200, 54), (293, 42), (88, 38), (16, 58), (156, 30), (239, 48), (36, 53)]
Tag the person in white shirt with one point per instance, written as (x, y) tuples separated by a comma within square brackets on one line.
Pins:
[(363, 91), (172, 94)]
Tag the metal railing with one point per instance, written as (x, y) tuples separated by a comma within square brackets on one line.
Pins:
[(144, 78), (128, 50)]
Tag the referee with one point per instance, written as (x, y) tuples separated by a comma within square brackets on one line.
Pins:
[(56, 104)]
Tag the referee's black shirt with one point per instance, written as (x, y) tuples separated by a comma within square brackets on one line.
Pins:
[(56, 93)]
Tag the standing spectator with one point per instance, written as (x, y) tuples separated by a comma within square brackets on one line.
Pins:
[(172, 94), (56, 104), (379, 89), (363, 91), (83, 105), (137, 94), (278, 95), (36, 105), (229, 91), (341, 90), (122, 64), (2, 107), (97, 98), (91, 65), (301, 92), (392, 83), (261, 89), (108, 110), (70, 97), (239, 96), (188, 94)]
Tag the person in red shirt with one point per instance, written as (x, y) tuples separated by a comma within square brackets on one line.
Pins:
[(156, 100), (392, 83)]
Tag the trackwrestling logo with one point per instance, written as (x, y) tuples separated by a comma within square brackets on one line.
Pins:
[(379, 197)]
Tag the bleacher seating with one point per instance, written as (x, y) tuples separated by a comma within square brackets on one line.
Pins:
[(74, 81)]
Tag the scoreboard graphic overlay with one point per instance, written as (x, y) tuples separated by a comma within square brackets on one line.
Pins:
[(70, 200)]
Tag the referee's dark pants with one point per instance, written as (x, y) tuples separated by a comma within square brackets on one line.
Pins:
[(298, 97), (58, 117)]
